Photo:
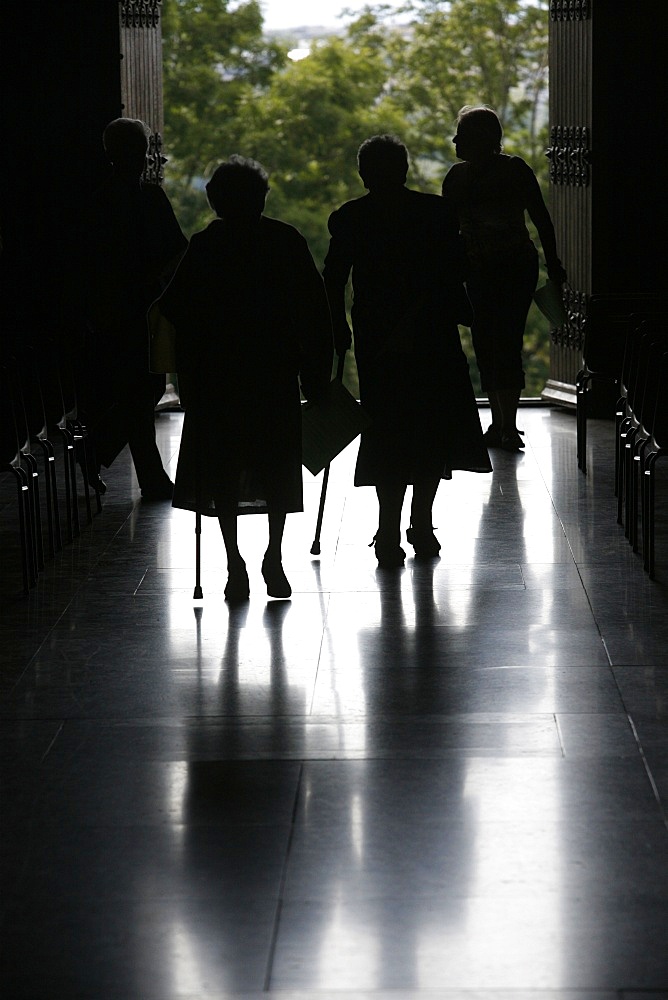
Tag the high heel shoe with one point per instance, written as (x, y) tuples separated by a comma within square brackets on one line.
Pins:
[(512, 442), (237, 588), (494, 438), (390, 555), (275, 579), (424, 541)]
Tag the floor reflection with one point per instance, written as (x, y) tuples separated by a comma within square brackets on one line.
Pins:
[(445, 781)]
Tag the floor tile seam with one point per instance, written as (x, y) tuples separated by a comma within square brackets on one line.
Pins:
[(248, 721), (282, 885), (663, 807), (557, 512), (476, 718), (648, 771), (332, 755), (354, 755), (521, 892), (325, 633), (597, 623), (560, 735), (575, 562), (465, 667), (53, 741)]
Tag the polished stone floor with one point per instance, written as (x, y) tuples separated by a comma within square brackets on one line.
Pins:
[(446, 781)]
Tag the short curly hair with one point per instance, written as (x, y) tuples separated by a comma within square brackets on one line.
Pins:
[(486, 123), (240, 184), (382, 158), (122, 134)]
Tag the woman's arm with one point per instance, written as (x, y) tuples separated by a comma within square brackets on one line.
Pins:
[(540, 216), (313, 322), (338, 264)]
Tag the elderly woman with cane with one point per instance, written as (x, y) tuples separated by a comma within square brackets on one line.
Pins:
[(252, 322)]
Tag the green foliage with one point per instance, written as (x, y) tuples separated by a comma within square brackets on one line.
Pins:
[(309, 125), (215, 59), (228, 89), (460, 52)]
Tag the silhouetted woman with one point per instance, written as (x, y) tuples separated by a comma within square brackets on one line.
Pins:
[(403, 250), (131, 244), (251, 319), (490, 192)]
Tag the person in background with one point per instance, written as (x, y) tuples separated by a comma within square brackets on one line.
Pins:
[(490, 193), (402, 249), (251, 321), (131, 245)]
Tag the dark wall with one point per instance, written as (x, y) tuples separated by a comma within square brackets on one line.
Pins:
[(60, 85), (629, 147)]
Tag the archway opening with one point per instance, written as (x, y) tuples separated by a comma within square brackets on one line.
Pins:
[(301, 97)]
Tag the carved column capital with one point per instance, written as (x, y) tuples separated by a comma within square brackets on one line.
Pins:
[(140, 13), (570, 10)]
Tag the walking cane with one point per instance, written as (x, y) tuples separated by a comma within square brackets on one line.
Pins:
[(198, 595), (315, 548)]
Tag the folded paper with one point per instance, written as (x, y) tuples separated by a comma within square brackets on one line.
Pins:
[(550, 301), (329, 424)]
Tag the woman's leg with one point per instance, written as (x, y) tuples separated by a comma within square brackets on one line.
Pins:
[(484, 336), (508, 402), (386, 542), (494, 430), (272, 564), (421, 534), (501, 302), (237, 588), (424, 494), (228, 527), (513, 312)]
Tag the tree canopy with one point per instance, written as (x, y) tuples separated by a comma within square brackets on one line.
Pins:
[(229, 88), (215, 59), (461, 52)]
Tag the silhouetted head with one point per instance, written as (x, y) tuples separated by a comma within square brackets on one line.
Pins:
[(238, 188), (125, 142), (479, 133), (382, 162)]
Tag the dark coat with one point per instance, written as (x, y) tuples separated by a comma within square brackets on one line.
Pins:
[(251, 319), (129, 246), (131, 242), (403, 250)]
